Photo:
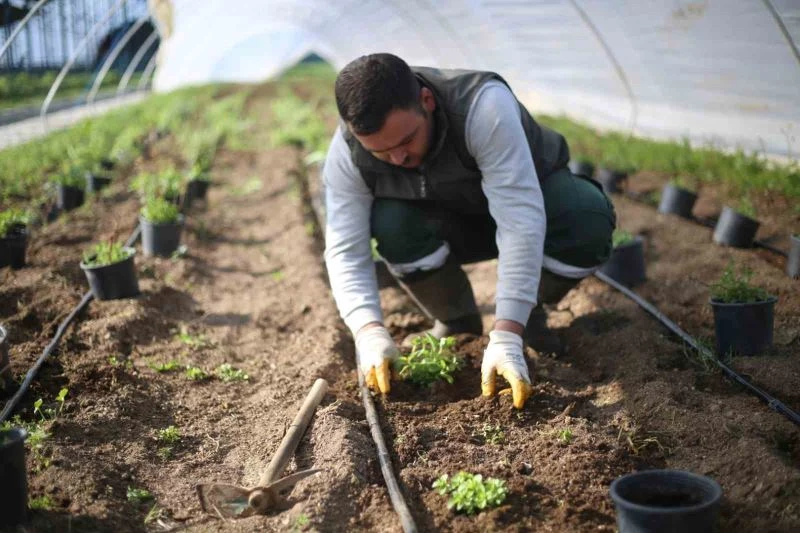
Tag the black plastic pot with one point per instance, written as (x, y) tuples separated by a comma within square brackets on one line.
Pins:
[(610, 179), (743, 329), (13, 246), (583, 168), (666, 501), (626, 264), (107, 164), (115, 281), (197, 189), (69, 197), (161, 239), (14, 486), (677, 201), (6, 378), (95, 183), (793, 261), (735, 229)]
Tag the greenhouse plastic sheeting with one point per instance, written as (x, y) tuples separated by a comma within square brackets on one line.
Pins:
[(725, 72)]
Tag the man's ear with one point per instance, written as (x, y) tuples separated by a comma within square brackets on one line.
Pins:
[(427, 100)]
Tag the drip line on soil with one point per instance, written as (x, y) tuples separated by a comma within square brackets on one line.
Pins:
[(772, 402), (711, 223), (87, 297)]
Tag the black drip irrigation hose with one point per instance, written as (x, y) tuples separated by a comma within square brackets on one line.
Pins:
[(772, 402), (711, 223), (23, 388)]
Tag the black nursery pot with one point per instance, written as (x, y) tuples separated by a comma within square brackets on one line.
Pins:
[(743, 328), (197, 189), (14, 486), (115, 281), (161, 239), (583, 168), (666, 501), (611, 179), (735, 229), (107, 164), (95, 183), (69, 197), (13, 246), (793, 261), (677, 201), (626, 264)]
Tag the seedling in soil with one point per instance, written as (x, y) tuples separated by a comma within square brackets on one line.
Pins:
[(138, 495), (165, 367), (41, 503), (638, 443), (195, 373), (565, 436), (105, 253), (469, 493), (227, 373), (276, 275), (621, 237), (121, 361), (735, 287), (430, 360), (169, 435), (195, 341), (160, 211), (11, 218), (154, 514), (493, 434), (301, 521)]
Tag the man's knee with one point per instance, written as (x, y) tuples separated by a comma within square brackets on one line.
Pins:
[(402, 230)]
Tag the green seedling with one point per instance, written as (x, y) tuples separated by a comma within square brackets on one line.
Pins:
[(301, 522), (165, 367), (138, 495), (565, 436), (194, 341), (169, 435), (154, 514), (493, 434), (41, 503), (160, 211), (733, 287), (430, 360), (12, 218), (276, 275), (195, 373), (227, 373), (621, 237), (469, 493), (105, 253)]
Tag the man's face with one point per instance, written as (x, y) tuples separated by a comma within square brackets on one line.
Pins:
[(405, 137)]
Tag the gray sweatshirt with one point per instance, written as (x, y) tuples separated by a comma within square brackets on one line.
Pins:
[(496, 140)]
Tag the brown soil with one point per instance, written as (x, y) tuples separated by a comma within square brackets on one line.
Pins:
[(251, 291)]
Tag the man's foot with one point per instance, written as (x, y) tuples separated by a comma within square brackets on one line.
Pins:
[(467, 324)]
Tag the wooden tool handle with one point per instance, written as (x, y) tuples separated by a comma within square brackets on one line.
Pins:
[(294, 434)]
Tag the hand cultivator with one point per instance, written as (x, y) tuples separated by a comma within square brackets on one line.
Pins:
[(231, 501)]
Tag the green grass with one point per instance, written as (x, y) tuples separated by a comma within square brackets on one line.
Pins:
[(105, 253), (430, 360), (469, 493)]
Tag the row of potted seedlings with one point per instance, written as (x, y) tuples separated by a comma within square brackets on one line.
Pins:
[(736, 226)]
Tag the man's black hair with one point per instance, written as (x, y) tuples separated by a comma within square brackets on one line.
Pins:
[(368, 88)]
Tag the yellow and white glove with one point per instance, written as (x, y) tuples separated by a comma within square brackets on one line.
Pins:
[(376, 351), (504, 356)]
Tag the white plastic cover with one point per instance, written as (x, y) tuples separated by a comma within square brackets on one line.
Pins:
[(721, 71)]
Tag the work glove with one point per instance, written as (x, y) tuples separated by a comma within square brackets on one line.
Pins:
[(376, 351), (504, 356)]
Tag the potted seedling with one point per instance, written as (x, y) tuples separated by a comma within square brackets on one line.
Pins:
[(110, 270), (69, 188), (678, 198), (582, 166), (197, 186), (737, 227), (14, 486), (97, 179), (626, 264), (661, 501), (107, 164), (743, 313), (166, 184), (793, 261), (13, 237), (162, 224)]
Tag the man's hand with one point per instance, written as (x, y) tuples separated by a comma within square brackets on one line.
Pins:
[(376, 351), (504, 356)]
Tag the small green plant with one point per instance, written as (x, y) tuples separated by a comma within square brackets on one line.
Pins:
[(301, 522), (166, 184), (105, 253), (621, 237), (12, 218), (227, 373), (138, 495), (169, 435), (745, 207), (169, 366), (154, 514), (430, 360), (469, 493), (73, 177), (194, 341), (493, 434), (41, 503), (733, 287), (160, 211), (196, 373), (565, 436)]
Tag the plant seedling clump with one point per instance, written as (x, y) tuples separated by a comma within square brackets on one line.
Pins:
[(733, 287), (138, 495), (621, 237), (469, 493), (73, 177), (195, 373), (227, 373), (160, 211), (11, 218), (430, 360), (105, 253)]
